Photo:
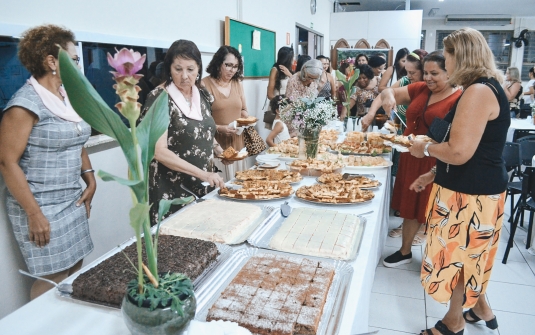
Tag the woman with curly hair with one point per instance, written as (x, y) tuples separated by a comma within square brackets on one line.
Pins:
[(224, 83), (42, 157)]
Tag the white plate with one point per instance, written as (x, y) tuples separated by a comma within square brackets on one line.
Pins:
[(286, 159), (266, 157)]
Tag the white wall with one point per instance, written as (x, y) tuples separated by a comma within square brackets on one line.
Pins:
[(153, 24), (401, 29)]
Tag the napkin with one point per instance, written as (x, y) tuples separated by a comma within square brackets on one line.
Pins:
[(216, 328)]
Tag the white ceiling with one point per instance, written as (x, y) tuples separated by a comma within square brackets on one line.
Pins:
[(447, 7)]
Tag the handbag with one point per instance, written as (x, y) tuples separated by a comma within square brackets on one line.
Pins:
[(269, 116), (439, 130), (253, 142)]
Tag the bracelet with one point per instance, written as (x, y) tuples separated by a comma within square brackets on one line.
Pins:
[(434, 170), (86, 171)]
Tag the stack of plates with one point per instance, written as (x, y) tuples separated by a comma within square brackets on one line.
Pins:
[(267, 161)]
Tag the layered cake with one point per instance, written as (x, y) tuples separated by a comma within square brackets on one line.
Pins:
[(317, 232), (276, 295), (106, 283), (214, 220)]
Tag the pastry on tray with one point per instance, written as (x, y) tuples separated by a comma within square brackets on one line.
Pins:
[(360, 181), (245, 121), (214, 220), (318, 233), (315, 167), (258, 190), (270, 175), (334, 193), (275, 294)]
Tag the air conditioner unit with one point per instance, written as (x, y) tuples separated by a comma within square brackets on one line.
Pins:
[(481, 20)]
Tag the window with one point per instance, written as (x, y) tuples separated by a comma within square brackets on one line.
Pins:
[(422, 40), (12, 74), (528, 60), (499, 43)]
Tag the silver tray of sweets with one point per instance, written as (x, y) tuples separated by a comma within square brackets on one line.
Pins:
[(261, 238), (225, 252), (333, 309)]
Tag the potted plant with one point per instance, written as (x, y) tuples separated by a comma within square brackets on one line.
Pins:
[(154, 303), (308, 116), (349, 89)]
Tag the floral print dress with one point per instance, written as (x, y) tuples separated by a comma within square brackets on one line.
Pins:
[(189, 139)]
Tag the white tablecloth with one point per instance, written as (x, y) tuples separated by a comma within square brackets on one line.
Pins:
[(51, 314), (519, 124)]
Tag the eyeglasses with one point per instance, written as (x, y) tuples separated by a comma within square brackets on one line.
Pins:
[(231, 66), (76, 59)]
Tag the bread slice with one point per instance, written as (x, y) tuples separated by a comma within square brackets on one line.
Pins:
[(229, 153)]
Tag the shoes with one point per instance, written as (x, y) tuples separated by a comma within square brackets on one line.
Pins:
[(419, 239), (396, 232), (397, 259), (443, 329), (492, 324)]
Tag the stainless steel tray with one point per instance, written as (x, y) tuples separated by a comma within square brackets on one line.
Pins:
[(332, 310), (263, 235), (333, 203), (266, 212), (225, 252), (254, 200)]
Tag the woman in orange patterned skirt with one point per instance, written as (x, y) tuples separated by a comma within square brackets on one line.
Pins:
[(465, 209)]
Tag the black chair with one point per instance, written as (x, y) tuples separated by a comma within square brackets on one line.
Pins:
[(527, 203), (511, 156), (519, 133)]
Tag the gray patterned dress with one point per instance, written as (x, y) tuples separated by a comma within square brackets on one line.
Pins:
[(190, 140), (51, 163)]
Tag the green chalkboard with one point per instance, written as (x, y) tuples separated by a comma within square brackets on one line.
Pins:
[(257, 63)]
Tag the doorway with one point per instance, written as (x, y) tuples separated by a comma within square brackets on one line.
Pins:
[(308, 42)]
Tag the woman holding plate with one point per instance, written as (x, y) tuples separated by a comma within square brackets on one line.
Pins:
[(427, 100)]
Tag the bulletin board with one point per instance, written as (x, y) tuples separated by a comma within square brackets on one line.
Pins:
[(257, 63)]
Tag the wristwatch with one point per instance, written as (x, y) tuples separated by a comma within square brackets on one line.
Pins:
[(425, 149)]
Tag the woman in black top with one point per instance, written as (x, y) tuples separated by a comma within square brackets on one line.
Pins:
[(465, 209)]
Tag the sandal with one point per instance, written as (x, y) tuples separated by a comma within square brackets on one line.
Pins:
[(396, 232), (443, 329), (492, 324), (419, 239)]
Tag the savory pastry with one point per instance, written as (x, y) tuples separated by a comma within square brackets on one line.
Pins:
[(229, 153)]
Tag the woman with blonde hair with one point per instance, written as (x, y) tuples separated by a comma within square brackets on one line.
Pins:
[(513, 89), (465, 208)]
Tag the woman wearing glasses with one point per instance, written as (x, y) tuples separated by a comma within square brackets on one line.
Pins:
[(224, 83), (42, 157)]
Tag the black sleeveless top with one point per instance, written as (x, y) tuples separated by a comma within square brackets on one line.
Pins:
[(485, 172)]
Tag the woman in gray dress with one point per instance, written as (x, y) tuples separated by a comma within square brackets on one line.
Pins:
[(42, 157)]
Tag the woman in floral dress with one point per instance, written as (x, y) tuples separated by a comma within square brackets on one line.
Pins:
[(184, 154)]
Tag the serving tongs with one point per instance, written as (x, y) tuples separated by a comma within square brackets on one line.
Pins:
[(62, 288), (197, 199)]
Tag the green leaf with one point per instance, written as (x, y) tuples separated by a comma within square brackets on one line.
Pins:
[(89, 105), (354, 77), (151, 128), (166, 204), (138, 214), (137, 186), (340, 76)]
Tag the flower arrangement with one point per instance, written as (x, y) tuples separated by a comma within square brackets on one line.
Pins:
[(137, 144), (307, 113)]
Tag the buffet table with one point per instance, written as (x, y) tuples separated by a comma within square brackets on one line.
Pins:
[(519, 124), (52, 314)]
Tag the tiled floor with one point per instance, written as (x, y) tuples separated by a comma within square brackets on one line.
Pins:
[(400, 306)]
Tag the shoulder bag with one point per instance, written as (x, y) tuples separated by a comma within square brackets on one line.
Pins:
[(253, 142)]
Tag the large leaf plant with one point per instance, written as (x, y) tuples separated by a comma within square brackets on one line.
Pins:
[(137, 143)]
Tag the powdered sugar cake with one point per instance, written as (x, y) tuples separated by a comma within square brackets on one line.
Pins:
[(214, 220), (316, 232), (276, 295)]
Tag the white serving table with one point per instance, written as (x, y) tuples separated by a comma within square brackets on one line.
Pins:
[(519, 124), (51, 314)]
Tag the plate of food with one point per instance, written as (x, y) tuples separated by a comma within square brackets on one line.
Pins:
[(315, 167), (269, 175), (258, 190), (334, 194), (230, 154), (366, 162), (246, 121), (362, 182)]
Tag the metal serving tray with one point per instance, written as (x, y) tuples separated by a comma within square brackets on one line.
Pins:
[(332, 310), (263, 235), (225, 252)]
